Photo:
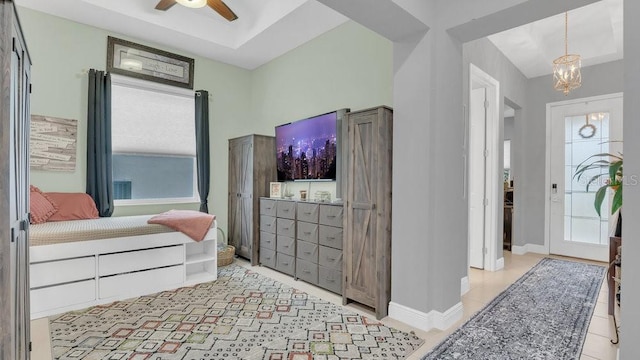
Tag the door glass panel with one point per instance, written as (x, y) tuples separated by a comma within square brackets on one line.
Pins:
[(585, 135)]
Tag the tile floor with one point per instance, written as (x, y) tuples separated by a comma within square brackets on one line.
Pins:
[(484, 287)]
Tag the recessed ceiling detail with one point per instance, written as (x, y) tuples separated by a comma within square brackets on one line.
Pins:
[(264, 30), (595, 32)]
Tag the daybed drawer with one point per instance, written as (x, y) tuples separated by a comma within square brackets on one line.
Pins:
[(330, 236), (308, 231), (307, 251), (268, 224), (308, 212), (140, 260), (285, 263), (331, 215), (268, 257), (286, 227), (139, 282), (307, 271), (267, 207), (267, 240), (63, 271), (330, 279), (55, 297), (286, 209), (286, 245)]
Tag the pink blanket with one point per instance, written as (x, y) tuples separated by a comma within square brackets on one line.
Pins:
[(192, 223)]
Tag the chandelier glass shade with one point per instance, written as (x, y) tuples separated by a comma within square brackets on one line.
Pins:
[(566, 68), (192, 3)]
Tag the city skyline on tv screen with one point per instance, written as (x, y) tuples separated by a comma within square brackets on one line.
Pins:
[(306, 149)]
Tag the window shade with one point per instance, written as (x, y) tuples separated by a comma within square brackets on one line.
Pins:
[(150, 120)]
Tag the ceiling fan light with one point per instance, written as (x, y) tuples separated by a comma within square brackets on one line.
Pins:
[(192, 3)]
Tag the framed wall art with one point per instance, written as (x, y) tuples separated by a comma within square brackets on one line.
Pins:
[(144, 62)]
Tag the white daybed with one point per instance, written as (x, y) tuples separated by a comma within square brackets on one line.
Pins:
[(81, 263)]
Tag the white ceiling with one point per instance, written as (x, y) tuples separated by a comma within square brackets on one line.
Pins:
[(267, 29), (595, 33), (264, 30)]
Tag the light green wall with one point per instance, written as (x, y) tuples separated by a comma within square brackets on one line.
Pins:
[(349, 66)]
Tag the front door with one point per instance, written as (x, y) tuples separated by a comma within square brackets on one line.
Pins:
[(579, 130)]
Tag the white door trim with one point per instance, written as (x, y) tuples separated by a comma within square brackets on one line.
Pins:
[(547, 187), (493, 177)]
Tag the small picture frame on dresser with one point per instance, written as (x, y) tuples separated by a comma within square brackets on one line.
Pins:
[(275, 190)]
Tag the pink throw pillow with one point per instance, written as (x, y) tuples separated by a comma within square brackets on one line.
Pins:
[(73, 206), (41, 206)]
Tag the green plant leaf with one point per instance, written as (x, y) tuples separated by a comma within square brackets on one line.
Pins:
[(613, 170), (617, 200), (600, 194)]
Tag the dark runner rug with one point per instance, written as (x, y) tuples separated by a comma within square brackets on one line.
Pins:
[(543, 315), (242, 315)]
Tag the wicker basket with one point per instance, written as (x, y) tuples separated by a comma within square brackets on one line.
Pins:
[(225, 256)]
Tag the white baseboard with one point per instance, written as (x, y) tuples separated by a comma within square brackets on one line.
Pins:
[(500, 264), (464, 285), (521, 250), (426, 322)]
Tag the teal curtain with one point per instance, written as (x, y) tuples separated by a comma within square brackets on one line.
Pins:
[(99, 174), (202, 147)]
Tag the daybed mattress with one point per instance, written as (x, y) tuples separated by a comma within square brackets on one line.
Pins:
[(103, 228)]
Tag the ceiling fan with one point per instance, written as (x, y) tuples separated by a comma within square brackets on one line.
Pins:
[(217, 5)]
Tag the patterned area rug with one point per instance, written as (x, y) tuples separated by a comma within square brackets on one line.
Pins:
[(242, 315), (543, 315)]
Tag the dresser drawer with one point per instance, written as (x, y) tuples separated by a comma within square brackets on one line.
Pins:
[(330, 258), (308, 212), (286, 227), (140, 260), (63, 271), (330, 236), (267, 207), (307, 251), (286, 209), (268, 224), (286, 245), (267, 240), (307, 271), (331, 215), (307, 231), (140, 282), (330, 279), (285, 263), (268, 257)]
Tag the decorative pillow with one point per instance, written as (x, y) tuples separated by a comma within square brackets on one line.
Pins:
[(41, 206), (73, 206)]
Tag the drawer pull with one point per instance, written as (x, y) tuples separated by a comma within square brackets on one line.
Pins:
[(330, 280), (331, 259), (307, 252), (306, 271), (331, 216), (285, 263), (330, 238), (285, 210), (307, 232), (285, 246), (267, 257), (307, 213)]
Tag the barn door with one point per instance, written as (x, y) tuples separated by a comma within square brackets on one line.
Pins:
[(360, 252)]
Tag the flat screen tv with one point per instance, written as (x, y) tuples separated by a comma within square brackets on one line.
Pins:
[(308, 149)]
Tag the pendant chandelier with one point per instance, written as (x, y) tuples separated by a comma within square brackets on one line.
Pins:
[(566, 68)]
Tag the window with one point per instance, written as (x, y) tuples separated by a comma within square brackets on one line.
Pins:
[(153, 142)]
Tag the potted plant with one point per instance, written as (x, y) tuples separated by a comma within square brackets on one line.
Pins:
[(609, 176)]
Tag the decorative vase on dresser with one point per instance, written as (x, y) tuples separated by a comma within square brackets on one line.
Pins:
[(367, 222), (252, 166)]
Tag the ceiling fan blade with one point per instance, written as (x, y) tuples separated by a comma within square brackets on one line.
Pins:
[(222, 9), (165, 4)]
